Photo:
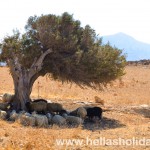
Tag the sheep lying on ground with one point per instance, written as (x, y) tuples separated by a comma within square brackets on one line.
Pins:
[(94, 112), (39, 107), (49, 116), (62, 112), (59, 120), (54, 107), (40, 120), (4, 106), (26, 120), (13, 116), (74, 120), (3, 114), (80, 112), (7, 97), (35, 119)]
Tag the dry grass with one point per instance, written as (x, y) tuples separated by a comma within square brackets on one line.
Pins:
[(133, 88), (122, 121)]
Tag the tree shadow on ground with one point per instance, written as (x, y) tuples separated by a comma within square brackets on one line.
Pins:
[(104, 124), (143, 111)]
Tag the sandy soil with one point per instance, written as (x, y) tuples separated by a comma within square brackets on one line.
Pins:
[(126, 115)]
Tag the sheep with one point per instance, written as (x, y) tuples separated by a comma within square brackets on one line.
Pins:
[(3, 115), (64, 115), (40, 120), (59, 120), (26, 120), (62, 112), (39, 107), (49, 117), (7, 97), (73, 113), (4, 106), (54, 107), (74, 120), (39, 100), (13, 116), (94, 112), (80, 112)]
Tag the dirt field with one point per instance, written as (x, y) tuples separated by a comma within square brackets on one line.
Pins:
[(127, 115)]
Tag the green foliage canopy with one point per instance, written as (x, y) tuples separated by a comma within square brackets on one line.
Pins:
[(77, 52)]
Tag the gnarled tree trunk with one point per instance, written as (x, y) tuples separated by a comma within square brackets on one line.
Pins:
[(23, 89), (24, 79)]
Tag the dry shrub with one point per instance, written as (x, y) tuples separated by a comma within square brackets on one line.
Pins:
[(99, 100)]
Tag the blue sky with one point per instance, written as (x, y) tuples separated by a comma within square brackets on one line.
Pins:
[(105, 16)]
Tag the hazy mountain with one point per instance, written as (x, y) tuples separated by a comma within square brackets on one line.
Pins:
[(134, 49)]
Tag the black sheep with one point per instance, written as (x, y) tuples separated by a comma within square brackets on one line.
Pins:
[(40, 107), (94, 112), (63, 111), (39, 100), (54, 108)]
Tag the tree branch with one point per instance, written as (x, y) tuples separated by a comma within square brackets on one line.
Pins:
[(38, 63), (15, 66)]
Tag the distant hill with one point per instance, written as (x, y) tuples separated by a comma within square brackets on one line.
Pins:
[(134, 49)]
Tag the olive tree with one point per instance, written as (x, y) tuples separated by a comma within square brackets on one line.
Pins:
[(58, 46)]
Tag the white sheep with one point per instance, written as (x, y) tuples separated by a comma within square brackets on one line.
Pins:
[(59, 120), (3, 114), (40, 120), (13, 116), (74, 120), (81, 112), (26, 120)]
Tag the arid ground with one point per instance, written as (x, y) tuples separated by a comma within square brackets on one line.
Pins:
[(126, 115)]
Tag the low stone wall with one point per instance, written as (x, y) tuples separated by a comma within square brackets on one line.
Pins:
[(140, 62)]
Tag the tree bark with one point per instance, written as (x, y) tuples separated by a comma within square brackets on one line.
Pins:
[(22, 92), (24, 79)]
